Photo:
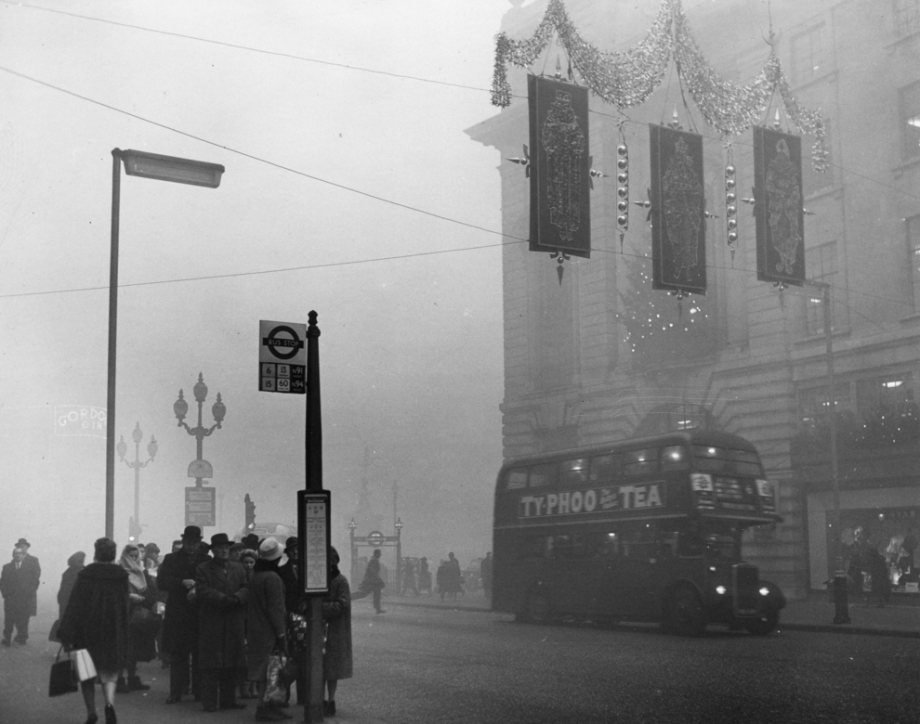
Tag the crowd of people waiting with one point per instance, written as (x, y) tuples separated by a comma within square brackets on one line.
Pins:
[(216, 615)]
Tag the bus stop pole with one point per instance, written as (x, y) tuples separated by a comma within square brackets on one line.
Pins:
[(313, 697)]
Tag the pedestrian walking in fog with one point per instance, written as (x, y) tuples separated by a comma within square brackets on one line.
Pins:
[(373, 582), (485, 574), (96, 619), (176, 577), (19, 580), (75, 564), (337, 661), (222, 600)]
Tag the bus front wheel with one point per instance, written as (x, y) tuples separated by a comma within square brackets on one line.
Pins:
[(684, 614), (763, 624)]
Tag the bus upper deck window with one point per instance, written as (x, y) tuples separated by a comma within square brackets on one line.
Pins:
[(604, 468), (640, 462), (516, 479), (543, 475), (575, 472), (674, 457)]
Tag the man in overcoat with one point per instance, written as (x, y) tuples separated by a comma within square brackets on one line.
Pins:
[(223, 595), (176, 577), (19, 582)]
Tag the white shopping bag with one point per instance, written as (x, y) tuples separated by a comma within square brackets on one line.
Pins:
[(83, 663)]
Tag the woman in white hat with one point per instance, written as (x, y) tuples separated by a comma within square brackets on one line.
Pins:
[(265, 623)]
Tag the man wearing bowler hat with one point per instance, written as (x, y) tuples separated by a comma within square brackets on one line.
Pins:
[(176, 576), (222, 594)]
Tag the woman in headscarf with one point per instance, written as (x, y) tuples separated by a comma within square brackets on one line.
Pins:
[(74, 565), (142, 619), (337, 618)]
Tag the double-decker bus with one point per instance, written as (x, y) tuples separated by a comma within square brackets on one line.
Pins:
[(648, 529)]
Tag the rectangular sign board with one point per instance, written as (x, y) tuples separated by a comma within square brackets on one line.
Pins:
[(200, 508), (313, 524), (282, 357)]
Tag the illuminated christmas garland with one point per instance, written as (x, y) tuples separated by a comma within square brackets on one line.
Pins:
[(629, 78)]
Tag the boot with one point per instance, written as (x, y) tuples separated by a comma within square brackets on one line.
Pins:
[(110, 717), (121, 686), (135, 684)]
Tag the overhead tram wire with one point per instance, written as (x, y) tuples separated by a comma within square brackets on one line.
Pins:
[(402, 76)]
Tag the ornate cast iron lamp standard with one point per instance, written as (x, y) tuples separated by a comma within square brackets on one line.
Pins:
[(199, 467), (134, 526), (160, 168)]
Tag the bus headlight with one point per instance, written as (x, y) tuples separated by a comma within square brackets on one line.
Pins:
[(763, 591), (721, 590)]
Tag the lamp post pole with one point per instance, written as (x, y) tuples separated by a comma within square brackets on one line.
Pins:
[(122, 448), (399, 526), (161, 168), (201, 467), (354, 552)]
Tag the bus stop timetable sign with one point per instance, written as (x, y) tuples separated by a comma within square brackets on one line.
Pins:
[(282, 357)]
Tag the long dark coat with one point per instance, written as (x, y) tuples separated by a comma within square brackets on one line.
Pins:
[(337, 661), (96, 617), (266, 620), (19, 586), (222, 601), (180, 622), (68, 579)]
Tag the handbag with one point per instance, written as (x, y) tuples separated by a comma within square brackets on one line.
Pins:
[(62, 679), (83, 664), (275, 690)]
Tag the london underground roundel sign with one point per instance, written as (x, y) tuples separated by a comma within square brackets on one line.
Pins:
[(282, 357)]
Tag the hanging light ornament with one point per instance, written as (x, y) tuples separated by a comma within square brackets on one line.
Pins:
[(622, 187), (731, 201)]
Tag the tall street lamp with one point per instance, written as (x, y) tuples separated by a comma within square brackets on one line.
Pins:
[(160, 168), (199, 467), (134, 529)]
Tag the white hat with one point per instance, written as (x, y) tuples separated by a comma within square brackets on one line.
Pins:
[(270, 550)]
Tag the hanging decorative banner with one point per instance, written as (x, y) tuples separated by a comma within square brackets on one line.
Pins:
[(629, 77), (560, 218), (677, 211), (778, 207)]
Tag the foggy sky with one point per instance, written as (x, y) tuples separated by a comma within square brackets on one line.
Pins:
[(321, 112)]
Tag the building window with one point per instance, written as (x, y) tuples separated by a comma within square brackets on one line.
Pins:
[(913, 249), (906, 16), (809, 57), (887, 411), (910, 121), (821, 263)]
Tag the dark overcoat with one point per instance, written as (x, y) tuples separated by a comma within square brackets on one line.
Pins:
[(68, 579), (96, 617), (337, 662), (19, 585), (180, 622), (266, 620), (222, 597)]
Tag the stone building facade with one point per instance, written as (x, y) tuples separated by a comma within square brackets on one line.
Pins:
[(598, 355)]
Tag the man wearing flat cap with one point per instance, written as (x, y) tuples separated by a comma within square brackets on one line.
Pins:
[(176, 576), (222, 599)]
